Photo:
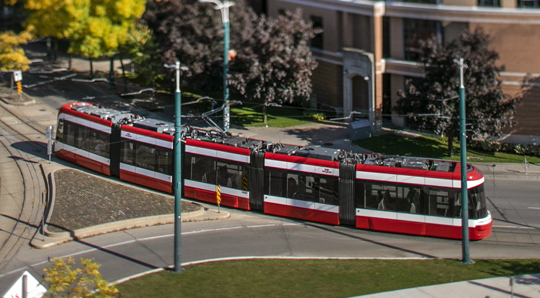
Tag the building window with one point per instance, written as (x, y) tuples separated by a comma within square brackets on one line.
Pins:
[(489, 3), (386, 38), (423, 1), (317, 41), (529, 3), (416, 30)]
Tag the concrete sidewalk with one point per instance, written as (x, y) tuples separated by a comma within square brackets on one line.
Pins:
[(499, 287)]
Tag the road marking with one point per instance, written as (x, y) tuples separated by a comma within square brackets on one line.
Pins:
[(261, 226), (211, 230), (141, 239), (535, 208)]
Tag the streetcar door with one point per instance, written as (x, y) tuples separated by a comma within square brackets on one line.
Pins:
[(115, 146), (255, 181), (346, 193)]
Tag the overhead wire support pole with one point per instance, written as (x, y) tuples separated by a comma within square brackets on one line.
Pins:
[(463, 149), (224, 8), (177, 182)]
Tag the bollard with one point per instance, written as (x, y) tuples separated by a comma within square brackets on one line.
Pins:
[(511, 287), (525, 165)]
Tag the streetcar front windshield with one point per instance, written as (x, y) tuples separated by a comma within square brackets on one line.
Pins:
[(477, 201)]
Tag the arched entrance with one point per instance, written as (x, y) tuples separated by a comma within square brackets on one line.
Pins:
[(360, 95), (358, 85)]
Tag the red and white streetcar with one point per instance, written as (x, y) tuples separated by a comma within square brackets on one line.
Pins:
[(406, 195)]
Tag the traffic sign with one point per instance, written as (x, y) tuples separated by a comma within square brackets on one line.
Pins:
[(19, 87), (244, 183), (218, 194), (49, 132), (17, 76)]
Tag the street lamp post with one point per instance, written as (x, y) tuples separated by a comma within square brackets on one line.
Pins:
[(224, 8), (177, 177), (463, 149)]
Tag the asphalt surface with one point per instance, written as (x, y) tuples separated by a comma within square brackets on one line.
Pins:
[(114, 195)]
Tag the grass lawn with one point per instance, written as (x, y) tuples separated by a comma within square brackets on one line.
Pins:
[(315, 278), (433, 148), (252, 116)]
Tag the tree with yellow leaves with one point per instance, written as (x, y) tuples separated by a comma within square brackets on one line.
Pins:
[(95, 27), (63, 281), (56, 18), (12, 56), (107, 28)]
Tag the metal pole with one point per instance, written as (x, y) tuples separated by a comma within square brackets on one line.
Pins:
[(226, 111), (111, 73), (177, 173), (43, 200), (463, 147)]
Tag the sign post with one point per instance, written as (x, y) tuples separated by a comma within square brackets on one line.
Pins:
[(49, 136), (218, 197), (17, 78)]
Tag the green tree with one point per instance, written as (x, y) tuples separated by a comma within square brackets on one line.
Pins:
[(12, 56), (95, 27), (432, 103), (273, 62), (107, 27), (142, 49), (61, 280), (56, 18)]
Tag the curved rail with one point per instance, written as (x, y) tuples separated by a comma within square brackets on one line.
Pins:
[(27, 221)]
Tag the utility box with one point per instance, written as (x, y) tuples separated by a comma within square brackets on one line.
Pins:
[(359, 130)]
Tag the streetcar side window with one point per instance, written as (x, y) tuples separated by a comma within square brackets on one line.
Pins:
[(145, 156), (292, 185), (301, 186), (60, 130), (327, 188), (376, 196), (440, 203), (97, 142), (200, 168), (218, 172), (164, 162), (81, 140), (127, 152), (277, 183), (71, 129), (230, 174), (409, 199)]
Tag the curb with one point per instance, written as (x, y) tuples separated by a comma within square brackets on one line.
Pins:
[(23, 100), (55, 238), (532, 177)]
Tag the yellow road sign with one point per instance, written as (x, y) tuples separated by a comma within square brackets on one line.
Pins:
[(218, 194), (244, 183)]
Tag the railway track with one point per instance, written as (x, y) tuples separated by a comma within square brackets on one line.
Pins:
[(21, 152)]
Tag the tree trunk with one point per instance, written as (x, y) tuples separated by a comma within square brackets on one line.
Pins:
[(124, 74), (91, 68), (55, 49), (450, 143), (264, 113)]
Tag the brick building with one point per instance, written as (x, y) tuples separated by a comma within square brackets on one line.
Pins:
[(369, 48)]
